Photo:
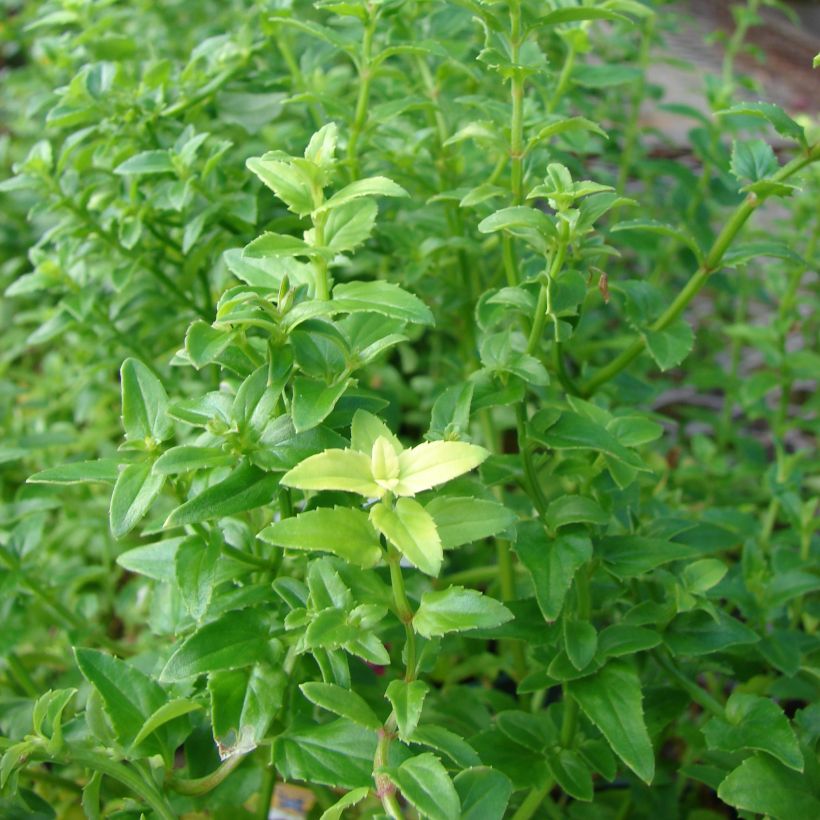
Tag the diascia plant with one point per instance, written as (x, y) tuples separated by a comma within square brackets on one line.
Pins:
[(385, 412)]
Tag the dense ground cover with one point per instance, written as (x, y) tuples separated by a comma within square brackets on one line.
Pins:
[(384, 409)]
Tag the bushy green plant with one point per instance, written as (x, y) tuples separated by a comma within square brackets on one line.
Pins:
[(467, 466)]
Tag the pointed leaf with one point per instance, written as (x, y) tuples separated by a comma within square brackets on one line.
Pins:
[(412, 531)]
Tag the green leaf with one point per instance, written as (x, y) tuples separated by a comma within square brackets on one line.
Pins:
[(101, 470), (246, 488), (425, 784), (342, 702), (237, 639), (381, 297), (699, 633), (555, 17), (136, 489), (147, 162), (449, 743), (165, 714), (576, 432), (129, 696), (764, 786), (434, 463), (516, 218), (338, 754), (581, 642), (702, 575), (574, 509), (289, 183), (773, 114), (195, 565), (740, 254), (571, 773), (753, 160), (336, 811), (243, 704), (757, 724), (373, 186), (457, 609), (348, 226), (277, 246), (204, 343), (669, 347), (484, 793), (630, 555), (313, 401), (412, 531), (623, 639), (186, 457), (407, 699), (652, 226), (568, 124), (612, 700), (343, 531), (144, 403), (463, 520), (345, 470), (366, 428), (552, 563)]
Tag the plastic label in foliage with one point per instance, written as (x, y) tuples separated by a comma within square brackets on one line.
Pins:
[(290, 802)]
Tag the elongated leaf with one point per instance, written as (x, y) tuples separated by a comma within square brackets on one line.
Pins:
[(412, 531), (146, 162), (346, 470), (101, 470), (436, 462), (448, 743), (165, 714), (373, 186), (342, 531), (195, 562), (245, 488), (773, 114), (136, 489), (129, 696), (462, 520), (186, 457), (235, 640), (342, 702), (277, 246), (288, 182), (576, 14), (336, 811), (407, 699), (313, 401), (381, 297), (457, 609), (424, 782), (144, 403), (612, 700)]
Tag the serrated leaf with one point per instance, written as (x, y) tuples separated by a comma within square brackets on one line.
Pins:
[(336, 811), (764, 786), (277, 246), (342, 702), (407, 699), (342, 531), (381, 297), (484, 793), (288, 182), (373, 186), (773, 114), (237, 639), (425, 784), (345, 470), (612, 700), (670, 346), (348, 226), (463, 520), (457, 609), (246, 488), (412, 531), (552, 563), (436, 462), (752, 160)]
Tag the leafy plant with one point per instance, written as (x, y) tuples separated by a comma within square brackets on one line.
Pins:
[(383, 411)]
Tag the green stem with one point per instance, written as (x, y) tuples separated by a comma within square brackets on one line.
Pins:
[(532, 802), (266, 793), (404, 612), (320, 261), (365, 77), (563, 80), (203, 785), (531, 481), (470, 577), (697, 694), (711, 263), (21, 675)]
